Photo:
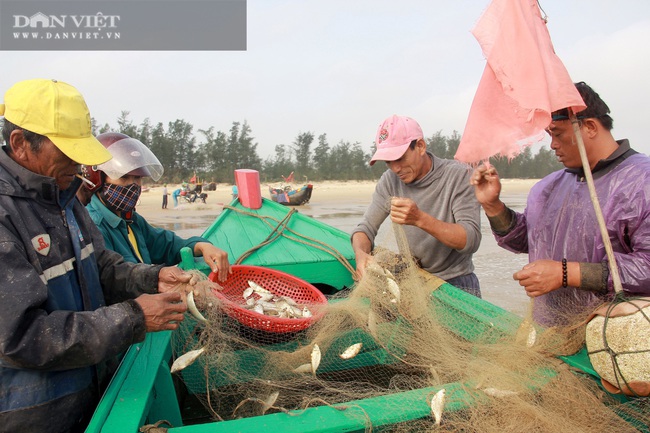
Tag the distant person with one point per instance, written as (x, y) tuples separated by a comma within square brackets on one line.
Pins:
[(175, 195), (165, 193), (431, 197), (118, 184), (69, 305), (568, 269)]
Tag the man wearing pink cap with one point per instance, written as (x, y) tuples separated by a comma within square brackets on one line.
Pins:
[(431, 197)]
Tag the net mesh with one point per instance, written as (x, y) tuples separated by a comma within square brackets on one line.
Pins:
[(618, 345), (390, 335)]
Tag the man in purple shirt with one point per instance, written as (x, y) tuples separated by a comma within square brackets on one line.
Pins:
[(568, 271)]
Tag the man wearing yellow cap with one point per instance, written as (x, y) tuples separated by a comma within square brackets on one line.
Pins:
[(67, 305)]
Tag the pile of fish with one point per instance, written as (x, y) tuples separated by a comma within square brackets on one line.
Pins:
[(262, 301)]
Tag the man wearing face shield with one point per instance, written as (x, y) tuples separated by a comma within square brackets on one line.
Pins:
[(116, 191)]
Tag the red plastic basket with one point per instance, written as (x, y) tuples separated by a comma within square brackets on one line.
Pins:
[(277, 282)]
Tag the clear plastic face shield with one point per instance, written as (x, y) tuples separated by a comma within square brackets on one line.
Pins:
[(130, 156)]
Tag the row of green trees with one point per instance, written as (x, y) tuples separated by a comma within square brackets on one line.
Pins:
[(214, 155)]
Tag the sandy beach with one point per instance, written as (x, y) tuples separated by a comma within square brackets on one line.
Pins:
[(150, 205)]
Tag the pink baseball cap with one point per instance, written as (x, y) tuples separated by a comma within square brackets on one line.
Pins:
[(394, 136)]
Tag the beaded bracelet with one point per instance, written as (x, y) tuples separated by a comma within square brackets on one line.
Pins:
[(565, 274)]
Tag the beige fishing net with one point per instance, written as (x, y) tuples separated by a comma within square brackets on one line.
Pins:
[(393, 334)]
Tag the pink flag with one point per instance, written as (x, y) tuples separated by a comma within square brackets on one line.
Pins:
[(523, 83)]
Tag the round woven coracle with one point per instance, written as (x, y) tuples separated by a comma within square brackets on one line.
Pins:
[(619, 347), (279, 284)]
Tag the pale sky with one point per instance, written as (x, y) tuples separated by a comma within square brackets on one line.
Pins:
[(341, 66)]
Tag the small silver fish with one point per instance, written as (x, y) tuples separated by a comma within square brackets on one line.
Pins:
[(499, 393), (257, 288), (438, 405), (289, 301), (532, 337), (247, 292), (287, 311), (186, 359), (526, 333), (296, 312), (270, 401), (351, 351), (393, 288), (303, 368), (265, 297), (191, 307), (315, 358), (269, 305)]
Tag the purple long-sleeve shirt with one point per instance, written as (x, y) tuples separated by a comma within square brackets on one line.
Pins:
[(560, 222)]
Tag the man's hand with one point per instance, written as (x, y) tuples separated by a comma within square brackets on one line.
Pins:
[(362, 247), (162, 311), (487, 188), (216, 258), (170, 277), (540, 277), (362, 259), (404, 211)]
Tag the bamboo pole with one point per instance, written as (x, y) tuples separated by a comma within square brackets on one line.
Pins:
[(613, 267)]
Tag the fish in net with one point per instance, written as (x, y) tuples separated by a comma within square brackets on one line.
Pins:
[(392, 338)]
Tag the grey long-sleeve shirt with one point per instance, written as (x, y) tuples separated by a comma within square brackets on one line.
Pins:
[(444, 193)]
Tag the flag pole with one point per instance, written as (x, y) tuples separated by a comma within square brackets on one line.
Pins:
[(613, 267)]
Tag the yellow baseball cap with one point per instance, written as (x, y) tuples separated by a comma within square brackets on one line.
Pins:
[(58, 111)]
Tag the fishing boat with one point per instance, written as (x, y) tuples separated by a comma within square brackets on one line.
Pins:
[(290, 196), (144, 392)]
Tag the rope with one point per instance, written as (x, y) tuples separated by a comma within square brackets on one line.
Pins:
[(275, 234), (281, 228), (619, 298)]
